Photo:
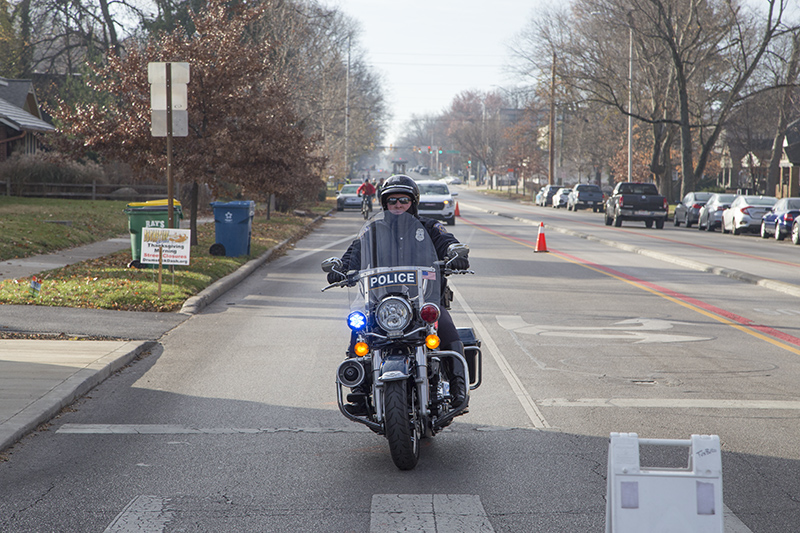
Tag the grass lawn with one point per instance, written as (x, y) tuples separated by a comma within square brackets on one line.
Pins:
[(107, 283)]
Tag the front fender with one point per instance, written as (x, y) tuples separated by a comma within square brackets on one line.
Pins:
[(395, 368)]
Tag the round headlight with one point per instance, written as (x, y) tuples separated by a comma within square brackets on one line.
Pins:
[(393, 314)]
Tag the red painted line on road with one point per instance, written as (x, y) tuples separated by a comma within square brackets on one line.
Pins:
[(742, 321)]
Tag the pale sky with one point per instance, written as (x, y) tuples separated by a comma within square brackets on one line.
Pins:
[(429, 51)]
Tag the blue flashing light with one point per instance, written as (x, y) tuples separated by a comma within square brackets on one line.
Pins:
[(357, 321)]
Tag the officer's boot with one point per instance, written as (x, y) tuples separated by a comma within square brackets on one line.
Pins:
[(458, 383)]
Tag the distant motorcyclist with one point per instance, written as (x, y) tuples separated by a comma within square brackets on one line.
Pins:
[(400, 194)]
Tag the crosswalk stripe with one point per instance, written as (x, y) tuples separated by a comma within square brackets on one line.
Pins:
[(428, 513), (144, 514)]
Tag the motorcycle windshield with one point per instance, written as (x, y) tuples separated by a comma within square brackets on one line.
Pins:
[(398, 257)]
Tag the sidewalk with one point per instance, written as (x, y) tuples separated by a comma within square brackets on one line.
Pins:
[(40, 377)]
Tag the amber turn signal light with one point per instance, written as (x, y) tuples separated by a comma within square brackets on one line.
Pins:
[(432, 341), (361, 348)]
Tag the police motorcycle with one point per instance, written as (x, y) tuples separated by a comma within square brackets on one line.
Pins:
[(397, 366)]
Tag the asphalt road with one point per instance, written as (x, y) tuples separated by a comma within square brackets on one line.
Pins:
[(231, 425)]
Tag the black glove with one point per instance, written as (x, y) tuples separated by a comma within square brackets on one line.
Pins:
[(459, 263), (335, 277)]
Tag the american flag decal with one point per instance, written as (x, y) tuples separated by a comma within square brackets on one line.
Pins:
[(429, 275)]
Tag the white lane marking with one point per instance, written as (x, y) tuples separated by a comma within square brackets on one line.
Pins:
[(676, 403), (535, 416), (434, 513), (638, 330), (144, 514), (167, 429), (289, 260)]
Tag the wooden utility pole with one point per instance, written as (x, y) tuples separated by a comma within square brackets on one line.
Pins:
[(552, 141)]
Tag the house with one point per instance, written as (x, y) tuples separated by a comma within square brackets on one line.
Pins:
[(20, 118)]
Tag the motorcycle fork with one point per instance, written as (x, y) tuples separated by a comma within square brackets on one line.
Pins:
[(423, 391)]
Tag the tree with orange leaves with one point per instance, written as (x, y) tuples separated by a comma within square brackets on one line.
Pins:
[(242, 129)]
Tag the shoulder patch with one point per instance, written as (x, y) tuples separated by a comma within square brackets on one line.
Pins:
[(439, 226)]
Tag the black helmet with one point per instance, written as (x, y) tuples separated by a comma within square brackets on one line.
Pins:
[(401, 184)]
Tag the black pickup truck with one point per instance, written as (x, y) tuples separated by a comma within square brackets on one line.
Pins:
[(636, 201)]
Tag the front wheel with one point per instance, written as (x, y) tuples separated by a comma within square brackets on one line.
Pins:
[(796, 233), (402, 423)]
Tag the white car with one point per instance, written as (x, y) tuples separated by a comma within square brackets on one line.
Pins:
[(745, 213), (436, 201), (560, 197), (452, 180)]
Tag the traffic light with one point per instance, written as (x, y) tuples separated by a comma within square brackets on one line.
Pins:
[(440, 151), (429, 150)]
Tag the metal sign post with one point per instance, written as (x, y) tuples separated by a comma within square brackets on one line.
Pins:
[(169, 117), (169, 114)]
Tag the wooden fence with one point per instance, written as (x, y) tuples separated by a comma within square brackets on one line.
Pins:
[(88, 191)]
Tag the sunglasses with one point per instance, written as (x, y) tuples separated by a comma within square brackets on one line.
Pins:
[(403, 200)]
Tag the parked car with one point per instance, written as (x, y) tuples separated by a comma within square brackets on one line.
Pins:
[(585, 195), (636, 201), (710, 217), (796, 231), (745, 213), (436, 201), (560, 198), (348, 198), (688, 211), (546, 195), (452, 180), (778, 221)]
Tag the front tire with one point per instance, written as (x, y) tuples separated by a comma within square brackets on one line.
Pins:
[(764, 233), (796, 233), (402, 424)]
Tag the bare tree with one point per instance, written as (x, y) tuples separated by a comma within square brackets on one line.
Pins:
[(695, 62)]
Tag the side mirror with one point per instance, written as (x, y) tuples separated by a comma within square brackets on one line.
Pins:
[(453, 194), (457, 249), (332, 264)]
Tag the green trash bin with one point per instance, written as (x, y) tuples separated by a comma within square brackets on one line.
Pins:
[(152, 214)]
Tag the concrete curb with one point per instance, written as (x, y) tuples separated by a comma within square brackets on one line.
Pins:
[(201, 300), (65, 393), (775, 285)]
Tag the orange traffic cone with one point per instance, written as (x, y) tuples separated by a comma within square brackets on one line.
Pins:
[(457, 213), (541, 244)]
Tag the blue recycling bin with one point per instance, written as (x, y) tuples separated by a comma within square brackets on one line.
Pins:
[(233, 225)]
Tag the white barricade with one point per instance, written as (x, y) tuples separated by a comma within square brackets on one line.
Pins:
[(664, 500)]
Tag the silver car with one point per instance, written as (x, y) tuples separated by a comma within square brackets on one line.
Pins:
[(436, 201), (710, 217), (348, 198), (745, 213)]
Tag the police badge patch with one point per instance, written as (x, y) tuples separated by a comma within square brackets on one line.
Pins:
[(420, 236)]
